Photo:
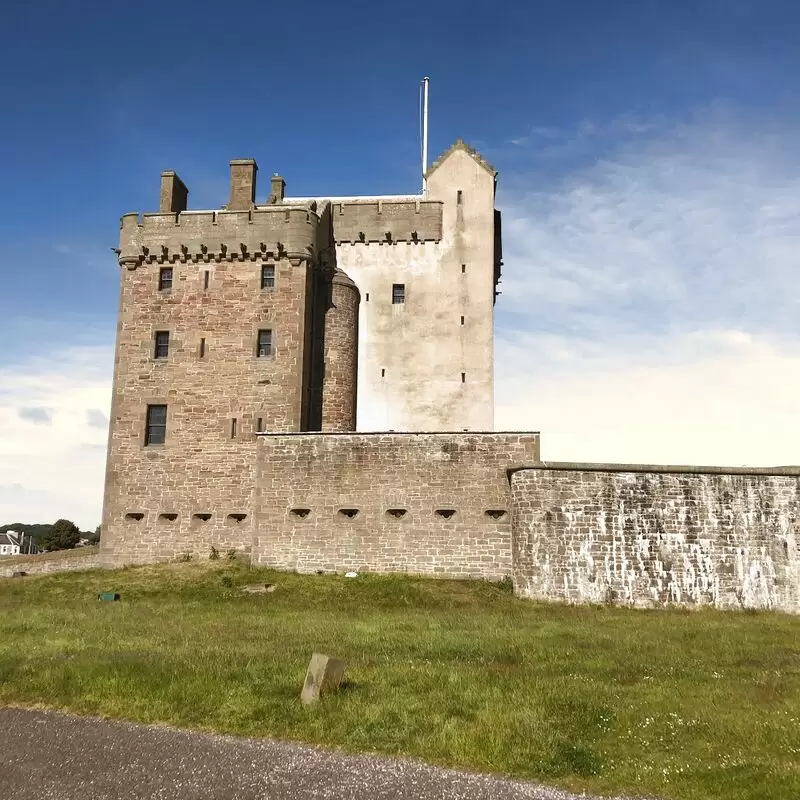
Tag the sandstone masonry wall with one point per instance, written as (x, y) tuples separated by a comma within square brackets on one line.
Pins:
[(651, 536), (45, 563), (308, 487)]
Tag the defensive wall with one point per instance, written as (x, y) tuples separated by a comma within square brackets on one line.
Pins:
[(478, 505), (646, 535), (44, 563)]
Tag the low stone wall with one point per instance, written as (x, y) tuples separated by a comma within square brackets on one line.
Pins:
[(423, 503), (647, 535), (59, 561)]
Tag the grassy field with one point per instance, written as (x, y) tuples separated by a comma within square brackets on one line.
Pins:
[(667, 703)]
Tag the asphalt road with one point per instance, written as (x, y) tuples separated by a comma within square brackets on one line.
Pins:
[(52, 756)]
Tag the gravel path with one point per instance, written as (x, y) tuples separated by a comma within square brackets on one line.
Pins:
[(53, 756)]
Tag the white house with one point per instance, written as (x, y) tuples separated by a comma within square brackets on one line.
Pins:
[(12, 543)]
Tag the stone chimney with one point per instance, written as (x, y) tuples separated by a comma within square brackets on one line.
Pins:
[(277, 189), (174, 194), (243, 184)]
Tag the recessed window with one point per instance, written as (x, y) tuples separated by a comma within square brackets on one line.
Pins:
[(398, 293), (459, 197), (445, 512), (167, 517), (495, 513), (233, 428), (350, 513), (264, 346), (202, 348), (368, 297), (162, 344), (397, 513), (260, 425), (462, 320), (463, 377), (205, 279), (204, 517), (156, 425), (268, 276), (463, 268), (237, 518), (165, 279), (134, 516), (383, 372), (301, 512)]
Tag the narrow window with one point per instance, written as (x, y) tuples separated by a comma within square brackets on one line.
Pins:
[(156, 429), (398, 293), (458, 197), (301, 512), (383, 373), (205, 280), (233, 428), (463, 377), (462, 320), (202, 348), (162, 344), (463, 268), (260, 425), (165, 279), (447, 513), (136, 516), (268, 276), (368, 297), (264, 344), (203, 517)]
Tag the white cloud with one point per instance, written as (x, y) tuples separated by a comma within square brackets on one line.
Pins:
[(662, 280), (55, 470)]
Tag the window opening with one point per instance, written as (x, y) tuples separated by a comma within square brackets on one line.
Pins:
[(202, 348), (398, 293), (264, 343), (205, 279), (161, 344), (268, 276), (156, 425), (165, 279), (445, 512)]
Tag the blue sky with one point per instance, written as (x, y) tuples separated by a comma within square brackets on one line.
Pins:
[(649, 164)]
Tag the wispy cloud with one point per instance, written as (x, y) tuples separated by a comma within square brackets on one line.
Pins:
[(56, 469), (38, 416), (661, 280)]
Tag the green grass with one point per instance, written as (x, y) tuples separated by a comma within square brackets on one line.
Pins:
[(674, 704)]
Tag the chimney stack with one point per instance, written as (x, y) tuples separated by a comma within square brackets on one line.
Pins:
[(277, 189), (174, 194), (243, 184)]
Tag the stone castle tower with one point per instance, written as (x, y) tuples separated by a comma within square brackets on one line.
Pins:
[(295, 315)]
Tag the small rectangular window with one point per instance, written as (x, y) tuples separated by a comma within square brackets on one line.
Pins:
[(463, 268), (202, 348), (233, 428), (162, 344), (463, 377), (264, 344), (458, 197), (398, 293), (205, 279), (462, 320), (156, 427), (268, 276), (165, 279), (260, 425)]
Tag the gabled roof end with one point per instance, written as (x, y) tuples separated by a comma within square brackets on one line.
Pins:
[(460, 144)]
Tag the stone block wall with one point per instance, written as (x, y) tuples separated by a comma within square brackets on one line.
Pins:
[(44, 563), (427, 503), (370, 221), (651, 536)]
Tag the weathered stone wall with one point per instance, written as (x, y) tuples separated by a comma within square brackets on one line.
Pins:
[(371, 221), (45, 563), (648, 536), (308, 485)]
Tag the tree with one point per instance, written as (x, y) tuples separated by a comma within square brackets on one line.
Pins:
[(93, 538), (64, 535)]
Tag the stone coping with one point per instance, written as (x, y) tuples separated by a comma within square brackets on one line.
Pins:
[(55, 555), (578, 466), (397, 433)]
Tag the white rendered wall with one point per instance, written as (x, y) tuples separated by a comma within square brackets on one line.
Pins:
[(412, 355)]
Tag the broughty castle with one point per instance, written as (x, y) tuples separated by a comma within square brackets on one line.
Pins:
[(309, 381)]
